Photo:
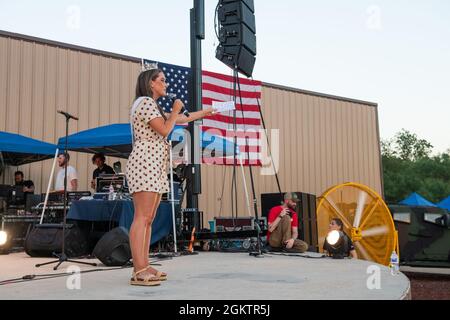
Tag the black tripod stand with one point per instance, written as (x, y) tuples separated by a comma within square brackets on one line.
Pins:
[(63, 257), (259, 252)]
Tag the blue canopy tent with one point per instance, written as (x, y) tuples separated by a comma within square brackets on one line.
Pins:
[(415, 199), (17, 150), (115, 141), (445, 204)]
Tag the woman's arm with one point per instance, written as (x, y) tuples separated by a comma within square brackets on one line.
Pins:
[(194, 116), (182, 119), (165, 127)]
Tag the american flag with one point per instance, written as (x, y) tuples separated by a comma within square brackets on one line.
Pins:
[(219, 87)]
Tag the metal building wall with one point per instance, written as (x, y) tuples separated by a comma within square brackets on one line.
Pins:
[(37, 79), (324, 140)]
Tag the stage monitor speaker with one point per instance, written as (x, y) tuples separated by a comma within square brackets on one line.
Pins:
[(306, 211), (44, 240), (113, 249)]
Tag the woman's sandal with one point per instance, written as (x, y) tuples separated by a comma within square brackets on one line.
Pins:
[(148, 281), (162, 276)]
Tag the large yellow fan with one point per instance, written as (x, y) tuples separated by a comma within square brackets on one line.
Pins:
[(366, 219)]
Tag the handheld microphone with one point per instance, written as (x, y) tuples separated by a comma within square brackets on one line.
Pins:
[(173, 97), (68, 115)]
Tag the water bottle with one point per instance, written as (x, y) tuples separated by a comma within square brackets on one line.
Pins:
[(111, 193), (394, 265)]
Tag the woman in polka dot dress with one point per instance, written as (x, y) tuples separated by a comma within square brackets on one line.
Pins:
[(147, 166)]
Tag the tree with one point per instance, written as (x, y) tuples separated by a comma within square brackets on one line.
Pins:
[(410, 147), (409, 167)]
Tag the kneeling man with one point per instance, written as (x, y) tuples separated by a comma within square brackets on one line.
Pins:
[(283, 226)]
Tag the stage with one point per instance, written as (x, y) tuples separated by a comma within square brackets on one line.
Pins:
[(211, 275)]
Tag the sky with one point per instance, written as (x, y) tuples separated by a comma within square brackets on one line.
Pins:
[(392, 52)]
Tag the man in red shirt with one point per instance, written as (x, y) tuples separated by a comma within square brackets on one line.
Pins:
[(283, 226)]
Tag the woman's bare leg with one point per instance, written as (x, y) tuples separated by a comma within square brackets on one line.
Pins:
[(149, 234), (153, 270), (144, 204)]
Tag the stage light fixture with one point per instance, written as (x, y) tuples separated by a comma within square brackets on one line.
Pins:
[(333, 237), (3, 238), (337, 245)]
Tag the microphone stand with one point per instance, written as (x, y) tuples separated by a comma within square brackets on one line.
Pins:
[(63, 257)]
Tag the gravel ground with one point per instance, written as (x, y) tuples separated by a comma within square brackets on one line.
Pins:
[(429, 287)]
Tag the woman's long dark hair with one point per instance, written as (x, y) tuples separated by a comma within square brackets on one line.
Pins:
[(143, 88), (339, 223)]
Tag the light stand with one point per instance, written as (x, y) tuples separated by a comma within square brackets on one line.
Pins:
[(63, 257)]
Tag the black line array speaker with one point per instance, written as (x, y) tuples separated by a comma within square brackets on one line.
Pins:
[(237, 35), (113, 249), (306, 211)]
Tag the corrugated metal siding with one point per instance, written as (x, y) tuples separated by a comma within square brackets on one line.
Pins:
[(36, 80), (324, 140)]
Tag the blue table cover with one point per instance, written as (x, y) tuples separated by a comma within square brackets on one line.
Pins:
[(122, 212)]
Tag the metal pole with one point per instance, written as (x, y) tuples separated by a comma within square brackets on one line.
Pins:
[(49, 186), (172, 199), (65, 190), (244, 181), (197, 35)]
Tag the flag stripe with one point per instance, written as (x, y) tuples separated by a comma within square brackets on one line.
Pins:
[(230, 79), (250, 118), (224, 97), (226, 126), (231, 120), (252, 134), (251, 149), (229, 92), (239, 107), (230, 86)]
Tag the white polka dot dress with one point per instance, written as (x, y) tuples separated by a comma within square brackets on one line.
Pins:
[(148, 162)]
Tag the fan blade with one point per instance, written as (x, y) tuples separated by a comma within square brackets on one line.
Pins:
[(359, 208), (376, 231), (363, 251), (338, 212)]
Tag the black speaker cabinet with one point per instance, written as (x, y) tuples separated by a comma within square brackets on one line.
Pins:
[(237, 35), (306, 211), (43, 240), (113, 249), (17, 228)]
